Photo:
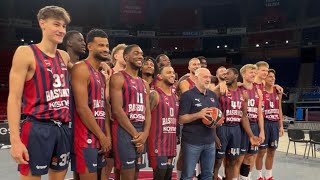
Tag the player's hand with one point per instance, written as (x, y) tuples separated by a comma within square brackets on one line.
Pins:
[(141, 138), (106, 71), (19, 153), (279, 89), (281, 131), (261, 136), (105, 143), (240, 84), (223, 88), (255, 141), (218, 142), (204, 113), (140, 148)]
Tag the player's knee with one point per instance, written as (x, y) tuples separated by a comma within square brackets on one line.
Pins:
[(262, 152), (271, 151), (244, 170), (248, 159), (232, 162), (218, 163)]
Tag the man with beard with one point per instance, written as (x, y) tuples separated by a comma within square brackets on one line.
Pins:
[(184, 86), (197, 138), (131, 114), (90, 86), (221, 73), (147, 71), (162, 139), (234, 108), (75, 45)]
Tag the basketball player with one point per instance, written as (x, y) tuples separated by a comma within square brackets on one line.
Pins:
[(197, 139), (203, 64), (74, 44), (119, 65), (131, 114), (262, 73), (162, 60), (221, 73), (203, 61), (255, 116), (91, 132), (234, 107), (188, 83), (164, 114), (40, 77), (147, 72), (117, 58), (273, 126)]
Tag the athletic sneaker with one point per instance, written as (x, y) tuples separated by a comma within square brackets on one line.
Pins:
[(261, 178)]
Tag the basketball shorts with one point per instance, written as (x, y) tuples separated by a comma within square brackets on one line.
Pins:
[(124, 151), (246, 146), (271, 130), (48, 143), (162, 162), (87, 158), (230, 138)]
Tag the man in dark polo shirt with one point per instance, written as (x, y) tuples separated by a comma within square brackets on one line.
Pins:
[(197, 139)]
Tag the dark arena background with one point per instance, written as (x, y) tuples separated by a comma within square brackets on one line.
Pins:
[(230, 33)]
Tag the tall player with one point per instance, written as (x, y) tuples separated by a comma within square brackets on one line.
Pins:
[(273, 126), (39, 75), (74, 44), (90, 90), (131, 112), (255, 116), (164, 113), (234, 107)]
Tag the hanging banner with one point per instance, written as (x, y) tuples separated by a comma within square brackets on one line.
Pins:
[(132, 11)]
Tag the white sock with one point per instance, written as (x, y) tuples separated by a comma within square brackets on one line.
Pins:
[(259, 173), (234, 178), (268, 173), (198, 171), (243, 178), (249, 175), (178, 175)]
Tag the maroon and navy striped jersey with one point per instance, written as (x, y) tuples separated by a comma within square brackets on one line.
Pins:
[(134, 95), (96, 101), (259, 86), (191, 83), (232, 105), (253, 103), (271, 105), (47, 95), (162, 137)]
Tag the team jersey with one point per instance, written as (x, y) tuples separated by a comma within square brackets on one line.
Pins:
[(46, 95), (96, 101), (232, 105), (271, 105), (253, 103), (162, 137)]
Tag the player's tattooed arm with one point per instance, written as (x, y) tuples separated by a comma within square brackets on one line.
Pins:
[(154, 99)]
